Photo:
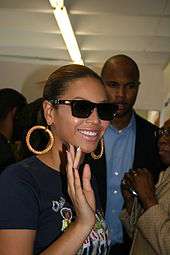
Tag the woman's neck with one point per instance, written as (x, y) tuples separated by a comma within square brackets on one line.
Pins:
[(55, 159)]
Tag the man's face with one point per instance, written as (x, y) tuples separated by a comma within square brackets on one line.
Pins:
[(122, 86)]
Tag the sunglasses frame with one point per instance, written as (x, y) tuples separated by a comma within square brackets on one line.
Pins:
[(91, 108), (162, 132)]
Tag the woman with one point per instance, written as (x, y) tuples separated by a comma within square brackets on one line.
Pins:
[(38, 215), (149, 214)]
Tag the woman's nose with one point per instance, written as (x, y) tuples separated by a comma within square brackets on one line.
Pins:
[(93, 116)]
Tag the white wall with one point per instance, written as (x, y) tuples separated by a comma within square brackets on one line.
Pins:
[(152, 89), (165, 112), (167, 79), (29, 79), (25, 77)]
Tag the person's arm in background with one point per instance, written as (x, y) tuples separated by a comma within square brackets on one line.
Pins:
[(154, 221), (131, 209)]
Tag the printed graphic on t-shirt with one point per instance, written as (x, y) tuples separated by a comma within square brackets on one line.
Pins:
[(66, 214), (97, 242), (56, 205)]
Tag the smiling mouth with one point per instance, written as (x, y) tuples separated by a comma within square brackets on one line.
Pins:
[(89, 135)]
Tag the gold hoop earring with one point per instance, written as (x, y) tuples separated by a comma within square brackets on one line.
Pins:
[(50, 144), (94, 156)]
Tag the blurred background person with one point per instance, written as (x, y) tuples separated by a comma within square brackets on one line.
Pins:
[(147, 216), (30, 115), (11, 101)]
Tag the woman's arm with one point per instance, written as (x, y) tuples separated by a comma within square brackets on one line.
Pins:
[(154, 225), (21, 242), (84, 204), (16, 242), (154, 222)]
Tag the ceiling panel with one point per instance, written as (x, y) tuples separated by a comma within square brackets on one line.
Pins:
[(109, 24), (138, 28), (167, 8), (126, 7), (29, 21), (23, 4)]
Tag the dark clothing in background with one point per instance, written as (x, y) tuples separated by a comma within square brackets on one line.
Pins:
[(146, 156), (6, 153)]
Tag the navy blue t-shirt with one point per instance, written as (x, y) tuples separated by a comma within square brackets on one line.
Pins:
[(34, 196)]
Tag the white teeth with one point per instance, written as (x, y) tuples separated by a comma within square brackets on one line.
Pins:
[(89, 133)]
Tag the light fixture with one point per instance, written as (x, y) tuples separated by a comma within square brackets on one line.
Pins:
[(63, 21)]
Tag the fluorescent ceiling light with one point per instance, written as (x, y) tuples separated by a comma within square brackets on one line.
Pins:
[(55, 3), (64, 24)]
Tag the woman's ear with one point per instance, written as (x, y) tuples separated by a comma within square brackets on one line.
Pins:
[(48, 112)]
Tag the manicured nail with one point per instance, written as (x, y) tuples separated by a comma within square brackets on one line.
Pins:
[(78, 148)]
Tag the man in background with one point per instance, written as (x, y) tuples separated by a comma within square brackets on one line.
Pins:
[(129, 143), (11, 101)]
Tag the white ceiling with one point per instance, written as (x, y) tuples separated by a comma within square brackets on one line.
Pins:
[(138, 28)]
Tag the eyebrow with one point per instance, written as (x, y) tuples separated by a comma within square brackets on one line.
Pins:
[(112, 81), (84, 99)]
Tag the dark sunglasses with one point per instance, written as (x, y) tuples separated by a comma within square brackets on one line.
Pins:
[(83, 108), (162, 132)]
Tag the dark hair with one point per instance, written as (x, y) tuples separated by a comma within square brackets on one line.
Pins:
[(121, 58), (29, 116), (58, 81), (10, 98)]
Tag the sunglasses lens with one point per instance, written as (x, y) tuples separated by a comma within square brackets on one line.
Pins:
[(81, 108), (106, 111)]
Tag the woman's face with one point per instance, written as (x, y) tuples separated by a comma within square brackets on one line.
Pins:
[(83, 132)]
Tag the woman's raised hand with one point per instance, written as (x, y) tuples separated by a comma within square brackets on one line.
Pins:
[(82, 195)]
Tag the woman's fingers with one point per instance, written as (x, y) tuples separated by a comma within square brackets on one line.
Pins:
[(78, 187), (74, 183), (82, 195), (72, 152), (70, 174), (77, 158), (87, 188), (87, 178)]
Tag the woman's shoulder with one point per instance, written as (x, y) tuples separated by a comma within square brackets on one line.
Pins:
[(31, 171), (164, 176), (21, 168), (164, 181)]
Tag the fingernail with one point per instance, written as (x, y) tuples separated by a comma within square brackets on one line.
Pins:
[(78, 148)]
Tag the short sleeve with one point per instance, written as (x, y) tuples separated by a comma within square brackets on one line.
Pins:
[(18, 200)]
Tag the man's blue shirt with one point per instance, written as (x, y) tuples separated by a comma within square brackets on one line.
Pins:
[(119, 149)]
